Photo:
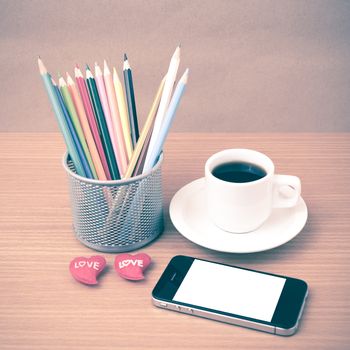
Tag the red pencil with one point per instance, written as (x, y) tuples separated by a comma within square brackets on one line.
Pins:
[(91, 118)]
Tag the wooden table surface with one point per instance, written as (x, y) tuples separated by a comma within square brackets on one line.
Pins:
[(42, 307)]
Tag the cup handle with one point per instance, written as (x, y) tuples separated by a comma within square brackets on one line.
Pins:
[(286, 191)]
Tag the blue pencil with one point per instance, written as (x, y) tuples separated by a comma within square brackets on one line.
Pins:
[(167, 122), (61, 119)]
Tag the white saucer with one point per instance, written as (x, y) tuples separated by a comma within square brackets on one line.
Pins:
[(189, 214)]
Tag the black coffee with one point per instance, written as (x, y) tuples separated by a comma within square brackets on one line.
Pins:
[(238, 172)]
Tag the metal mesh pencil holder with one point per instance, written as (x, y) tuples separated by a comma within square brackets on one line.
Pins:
[(119, 215)]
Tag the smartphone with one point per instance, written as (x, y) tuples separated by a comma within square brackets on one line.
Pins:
[(231, 294)]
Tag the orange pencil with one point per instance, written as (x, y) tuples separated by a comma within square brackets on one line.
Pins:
[(86, 128)]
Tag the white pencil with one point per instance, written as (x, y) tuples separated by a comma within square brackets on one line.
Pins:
[(167, 122), (164, 102), (115, 117)]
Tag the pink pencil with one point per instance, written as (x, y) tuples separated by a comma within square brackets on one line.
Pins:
[(107, 112), (113, 106), (91, 118), (86, 128)]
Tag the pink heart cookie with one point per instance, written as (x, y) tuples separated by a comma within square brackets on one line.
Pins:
[(131, 267), (86, 270)]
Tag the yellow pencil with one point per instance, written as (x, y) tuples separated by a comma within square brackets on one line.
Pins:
[(145, 131), (123, 113)]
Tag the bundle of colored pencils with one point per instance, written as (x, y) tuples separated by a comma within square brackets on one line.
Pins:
[(99, 123)]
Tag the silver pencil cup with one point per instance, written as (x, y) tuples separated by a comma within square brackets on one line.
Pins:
[(119, 215)]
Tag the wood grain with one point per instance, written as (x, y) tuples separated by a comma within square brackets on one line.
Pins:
[(42, 307)]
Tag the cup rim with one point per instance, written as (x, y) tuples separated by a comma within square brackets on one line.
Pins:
[(120, 182), (270, 170)]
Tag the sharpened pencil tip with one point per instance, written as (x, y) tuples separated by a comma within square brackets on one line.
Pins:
[(89, 74), (106, 70), (184, 77), (78, 73), (97, 69), (176, 54), (42, 68), (87, 67), (125, 57), (61, 82), (77, 65), (70, 81), (126, 65), (115, 74)]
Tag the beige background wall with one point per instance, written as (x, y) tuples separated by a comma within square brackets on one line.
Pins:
[(255, 65)]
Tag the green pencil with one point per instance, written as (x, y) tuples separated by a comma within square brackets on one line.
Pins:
[(75, 119), (61, 119), (101, 121)]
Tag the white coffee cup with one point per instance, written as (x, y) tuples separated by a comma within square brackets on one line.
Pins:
[(243, 207)]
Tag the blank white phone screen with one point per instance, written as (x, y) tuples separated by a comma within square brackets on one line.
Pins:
[(231, 290)]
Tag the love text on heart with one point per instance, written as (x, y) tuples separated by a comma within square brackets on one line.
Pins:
[(127, 262), (91, 264)]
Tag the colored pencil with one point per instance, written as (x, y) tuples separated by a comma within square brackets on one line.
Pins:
[(164, 102), (91, 118), (130, 98), (106, 111), (74, 134), (50, 89), (116, 117), (168, 119), (123, 113), (110, 104), (75, 119), (79, 107), (146, 129), (141, 161), (101, 121)]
